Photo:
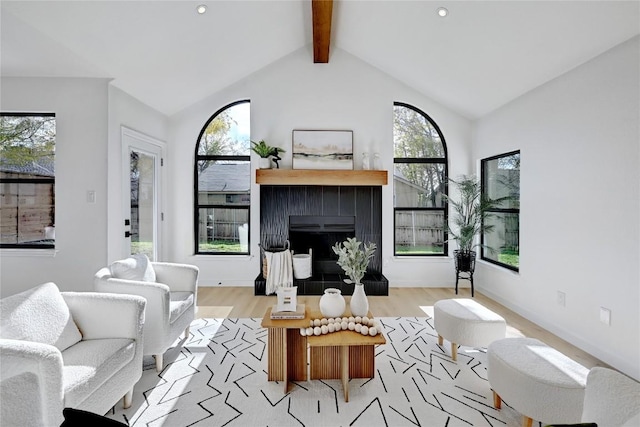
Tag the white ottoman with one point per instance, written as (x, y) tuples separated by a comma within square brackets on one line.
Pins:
[(464, 321), (536, 380)]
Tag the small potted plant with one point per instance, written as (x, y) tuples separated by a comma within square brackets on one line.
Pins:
[(354, 261), (265, 151)]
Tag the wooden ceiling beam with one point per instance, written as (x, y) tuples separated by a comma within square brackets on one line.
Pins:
[(321, 11)]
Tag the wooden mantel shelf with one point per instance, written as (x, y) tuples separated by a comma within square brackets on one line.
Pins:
[(320, 177)]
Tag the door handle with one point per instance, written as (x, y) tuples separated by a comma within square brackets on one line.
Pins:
[(127, 234)]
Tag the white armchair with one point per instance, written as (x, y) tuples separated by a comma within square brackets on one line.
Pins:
[(67, 349), (611, 399), (171, 296)]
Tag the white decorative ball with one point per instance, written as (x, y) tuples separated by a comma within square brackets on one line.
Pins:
[(309, 331), (344, 325), (316, 322), (317, 330), (358, 327), (365, 320), (373, 331), (331, 327), (311, 322), (330, 320), (345, 319), (324, 329), (358, 319), (323, 321), (352, 319), (364, 330), (351, 326), (303, 332)]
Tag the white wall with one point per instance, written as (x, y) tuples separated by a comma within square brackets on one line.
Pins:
[(295, 93), (81, 151), (580, 196), (89, 114), (124, 110)]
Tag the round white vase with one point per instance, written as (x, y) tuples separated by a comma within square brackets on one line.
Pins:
[(264, 163), (332, 303), (359, 303)]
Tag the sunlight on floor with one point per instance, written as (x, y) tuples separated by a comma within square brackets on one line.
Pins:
[(428, 309)]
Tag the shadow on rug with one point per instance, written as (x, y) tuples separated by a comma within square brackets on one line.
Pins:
[(218, 377)]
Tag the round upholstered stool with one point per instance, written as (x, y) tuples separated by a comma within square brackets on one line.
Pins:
[(536, 380), (466, 322)]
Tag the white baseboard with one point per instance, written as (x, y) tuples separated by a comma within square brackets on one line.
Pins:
[(624, 365)]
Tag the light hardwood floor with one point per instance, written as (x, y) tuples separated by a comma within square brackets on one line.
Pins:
[(236, 302)]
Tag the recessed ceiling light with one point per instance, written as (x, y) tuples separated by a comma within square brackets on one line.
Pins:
[(442, 12), (201, 9)]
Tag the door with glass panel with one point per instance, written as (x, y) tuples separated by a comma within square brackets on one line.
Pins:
[(142, 160)]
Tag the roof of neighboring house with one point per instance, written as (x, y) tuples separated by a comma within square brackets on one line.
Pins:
[(43, 166), (227, 177)]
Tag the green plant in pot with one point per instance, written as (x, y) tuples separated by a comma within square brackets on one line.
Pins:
[(470, 212), (265, 151), (354, 260)]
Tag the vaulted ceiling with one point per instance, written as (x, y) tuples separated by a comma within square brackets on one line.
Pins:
[(479, 57)]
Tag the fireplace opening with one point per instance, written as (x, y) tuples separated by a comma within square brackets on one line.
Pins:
[(319, 233)]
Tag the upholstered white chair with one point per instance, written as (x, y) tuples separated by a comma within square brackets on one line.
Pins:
[(79, 350), (611, 399), (171, 292)]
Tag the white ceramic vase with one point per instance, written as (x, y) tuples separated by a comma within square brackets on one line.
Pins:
[(359, 303), (264, 163), (332, 303)]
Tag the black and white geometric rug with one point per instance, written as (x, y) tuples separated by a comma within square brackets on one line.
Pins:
[(218, 377)]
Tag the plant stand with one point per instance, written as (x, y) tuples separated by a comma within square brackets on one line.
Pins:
[(465, 266)]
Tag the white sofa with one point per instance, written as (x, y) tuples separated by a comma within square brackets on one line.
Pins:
[(171, 292), (67, 349)]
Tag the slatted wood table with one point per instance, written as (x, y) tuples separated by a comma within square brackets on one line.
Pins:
[(287, 349), (338, 355)]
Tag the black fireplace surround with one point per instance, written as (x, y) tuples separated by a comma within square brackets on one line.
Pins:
[(316, 217)]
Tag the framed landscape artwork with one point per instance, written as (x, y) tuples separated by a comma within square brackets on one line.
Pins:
[(322, 149)]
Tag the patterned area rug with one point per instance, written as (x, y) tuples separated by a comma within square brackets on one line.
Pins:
[(218, 378)]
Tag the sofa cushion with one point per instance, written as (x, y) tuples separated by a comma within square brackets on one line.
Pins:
[(90, 363), (40, 315), (180, 302), (136, 267)]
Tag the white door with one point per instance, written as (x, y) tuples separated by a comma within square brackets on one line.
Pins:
[(142, 161)]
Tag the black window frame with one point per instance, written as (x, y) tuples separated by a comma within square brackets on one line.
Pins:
[(197, 206), (43, 181), (426, 160), (483, 187)]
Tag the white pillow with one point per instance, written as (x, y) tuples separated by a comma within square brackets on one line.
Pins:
[(136, 267), (40, 315)]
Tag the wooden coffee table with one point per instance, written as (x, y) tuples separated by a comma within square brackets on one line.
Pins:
[(338, 355)]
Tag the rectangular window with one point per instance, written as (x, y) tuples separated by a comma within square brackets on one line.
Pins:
[(501, 180), (223, 206), (27, 180)]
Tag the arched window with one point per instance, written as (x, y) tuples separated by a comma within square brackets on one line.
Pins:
[(419, 182), (222, 181)]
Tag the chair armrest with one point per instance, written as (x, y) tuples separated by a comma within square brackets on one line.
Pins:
[(44, 362), (179, 277), (107, 315)]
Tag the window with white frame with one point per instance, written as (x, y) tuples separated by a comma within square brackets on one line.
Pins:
[(419, 183), (501, 180), (222, 181), (27, 180)]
